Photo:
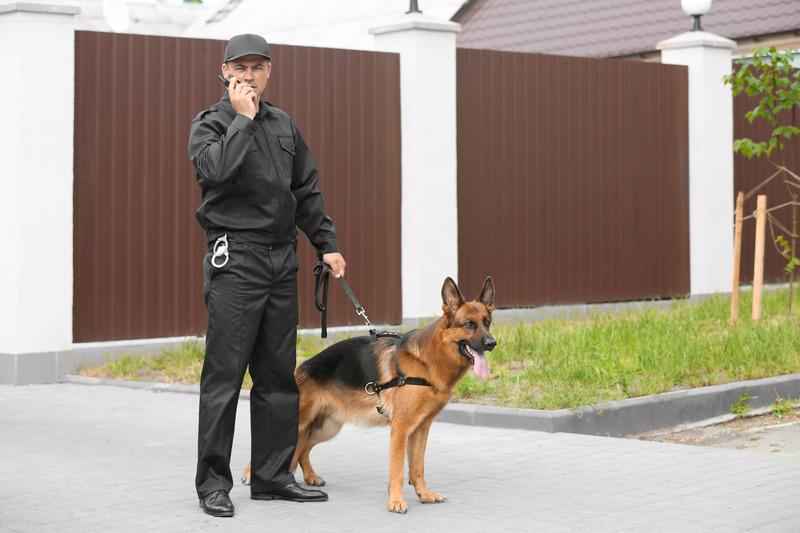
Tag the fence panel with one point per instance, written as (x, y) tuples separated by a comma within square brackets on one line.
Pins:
[(138, 247), (572, 178)]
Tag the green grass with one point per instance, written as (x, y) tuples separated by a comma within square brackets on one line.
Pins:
[(782, 407), (181, 364), (127, 367), (566, 363), (740, 408)]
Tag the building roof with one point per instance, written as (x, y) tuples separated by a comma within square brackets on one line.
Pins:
[(611, 28), (144, 17), (339, 24)]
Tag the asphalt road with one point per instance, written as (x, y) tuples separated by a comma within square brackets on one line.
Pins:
[(83, 459)]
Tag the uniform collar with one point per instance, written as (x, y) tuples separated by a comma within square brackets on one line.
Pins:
[(265, 109)]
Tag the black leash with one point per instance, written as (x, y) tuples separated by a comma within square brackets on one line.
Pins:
[(322, 273)]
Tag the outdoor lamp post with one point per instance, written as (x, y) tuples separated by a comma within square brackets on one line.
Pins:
[(413, 8), (696, 9)]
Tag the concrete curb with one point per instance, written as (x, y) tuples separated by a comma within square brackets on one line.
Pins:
[(613, 419), (634, 415)]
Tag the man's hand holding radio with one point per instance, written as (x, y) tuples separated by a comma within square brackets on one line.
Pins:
[(243, 98)]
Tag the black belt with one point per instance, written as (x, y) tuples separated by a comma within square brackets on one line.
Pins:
[(247, 238)]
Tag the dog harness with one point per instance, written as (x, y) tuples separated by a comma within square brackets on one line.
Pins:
[(400, 381)]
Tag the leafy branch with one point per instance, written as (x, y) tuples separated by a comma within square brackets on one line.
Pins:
[(770, 76)]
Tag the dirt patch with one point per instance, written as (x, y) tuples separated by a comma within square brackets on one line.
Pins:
[(763, 433)]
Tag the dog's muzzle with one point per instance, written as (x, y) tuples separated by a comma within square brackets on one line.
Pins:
[(477, 357)]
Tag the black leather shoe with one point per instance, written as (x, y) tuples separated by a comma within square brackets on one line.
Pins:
[(217, 504), (293, 493)]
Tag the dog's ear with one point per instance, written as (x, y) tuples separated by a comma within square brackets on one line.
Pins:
[(486, 297), (451, 297)]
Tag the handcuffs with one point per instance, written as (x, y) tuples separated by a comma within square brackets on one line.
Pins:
[(220, 249)]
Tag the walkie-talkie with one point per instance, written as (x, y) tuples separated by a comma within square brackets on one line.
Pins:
[(227, 82)]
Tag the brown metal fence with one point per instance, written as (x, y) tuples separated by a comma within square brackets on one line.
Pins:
[(750, 173), (572, 178), (138, 247)]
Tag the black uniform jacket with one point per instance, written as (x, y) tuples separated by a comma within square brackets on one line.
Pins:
[(258, 177)]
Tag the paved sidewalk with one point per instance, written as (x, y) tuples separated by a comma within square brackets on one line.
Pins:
[(80, 458)]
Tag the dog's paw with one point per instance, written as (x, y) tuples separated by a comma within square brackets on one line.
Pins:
[(246, 477), (314, 480), (431, 497), (398, 506)]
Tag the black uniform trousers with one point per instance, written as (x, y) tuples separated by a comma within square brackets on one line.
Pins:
[(252, 321)]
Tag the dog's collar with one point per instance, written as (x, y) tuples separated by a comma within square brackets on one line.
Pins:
[(374, 334)]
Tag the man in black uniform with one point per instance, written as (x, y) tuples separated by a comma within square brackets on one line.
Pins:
[(259, 181)]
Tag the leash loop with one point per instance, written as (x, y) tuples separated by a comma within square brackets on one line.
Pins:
[(321, 271)]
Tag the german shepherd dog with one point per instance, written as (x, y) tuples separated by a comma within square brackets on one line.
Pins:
[(362, 381)]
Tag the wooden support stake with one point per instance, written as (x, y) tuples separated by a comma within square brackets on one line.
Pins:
[(737, 255), (758, 270)]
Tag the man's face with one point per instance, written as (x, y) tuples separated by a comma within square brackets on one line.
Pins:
[(250, 70)]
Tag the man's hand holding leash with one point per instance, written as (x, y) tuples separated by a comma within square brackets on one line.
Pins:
[(336, 262)]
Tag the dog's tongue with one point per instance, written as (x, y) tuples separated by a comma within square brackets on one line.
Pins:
[(481, 367)]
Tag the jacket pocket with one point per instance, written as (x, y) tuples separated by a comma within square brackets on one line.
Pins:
[(287, 143), (286, 155)]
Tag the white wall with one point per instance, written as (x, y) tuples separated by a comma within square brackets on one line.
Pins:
[(429, 211), (711, 200), (36, 150)]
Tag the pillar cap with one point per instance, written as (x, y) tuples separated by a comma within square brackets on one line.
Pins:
[(696, 39), (416, 21)]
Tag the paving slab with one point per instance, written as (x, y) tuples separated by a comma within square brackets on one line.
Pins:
[(103, 458)]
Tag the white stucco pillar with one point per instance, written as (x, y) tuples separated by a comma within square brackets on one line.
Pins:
[(37, 51), (708, 58), (427, 48)]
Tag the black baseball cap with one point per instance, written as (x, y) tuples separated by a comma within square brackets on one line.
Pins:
[(247, 44)]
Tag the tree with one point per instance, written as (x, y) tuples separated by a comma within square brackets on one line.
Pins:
[(770, 77)]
